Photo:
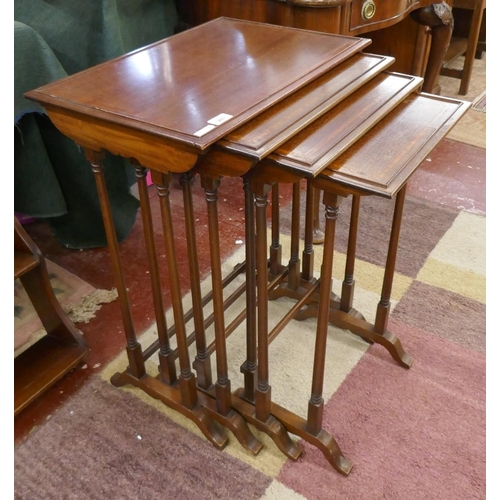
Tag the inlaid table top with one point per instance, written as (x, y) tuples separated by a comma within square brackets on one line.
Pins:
[(195, 87)]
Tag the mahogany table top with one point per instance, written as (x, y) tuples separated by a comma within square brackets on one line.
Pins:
[(383, 159), (198, 85)]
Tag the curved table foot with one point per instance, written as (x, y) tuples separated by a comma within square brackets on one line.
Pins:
[(171, 397), (272, 427), (329, 447), (234, 422), (355, 322), (324, 441), (311, 310), (366, 330)]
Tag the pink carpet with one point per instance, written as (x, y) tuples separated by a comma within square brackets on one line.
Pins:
[(416, 434)]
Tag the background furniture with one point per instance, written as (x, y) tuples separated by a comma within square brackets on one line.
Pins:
[(469, 40), (45, 362), (52, 40), (415, 32)]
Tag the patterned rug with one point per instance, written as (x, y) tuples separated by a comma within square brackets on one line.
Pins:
[(79, 299), (417, 433), (69, 290)]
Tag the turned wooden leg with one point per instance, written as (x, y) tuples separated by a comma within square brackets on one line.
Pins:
[(201, 363), (134, 350), (316, 403), (223, 385), (249, 367), (439, 18), (312, 429), (318, 235), (263, 390), (294, 262), (384, 306), (275, 248), (256, 406), (167, 361), (187, 379), (348, 284), (308, 252)]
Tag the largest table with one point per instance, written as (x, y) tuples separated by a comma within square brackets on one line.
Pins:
[(218, 100)]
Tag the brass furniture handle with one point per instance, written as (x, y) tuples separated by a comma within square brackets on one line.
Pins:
[(368, 10)]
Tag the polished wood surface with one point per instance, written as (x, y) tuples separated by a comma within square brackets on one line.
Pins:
[(173, 88), (413, 129), (62, 348), (418, 50), (384, 14), (311, 150), (306, 116), (347, 17), (267, 131)]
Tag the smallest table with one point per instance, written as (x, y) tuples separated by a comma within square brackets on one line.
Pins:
[(379, 163)]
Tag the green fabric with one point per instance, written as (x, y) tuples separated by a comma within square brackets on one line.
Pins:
[(85, 33), (52, 178), (34, 64)]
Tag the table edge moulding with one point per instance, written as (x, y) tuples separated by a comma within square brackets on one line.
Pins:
[(287, 115)]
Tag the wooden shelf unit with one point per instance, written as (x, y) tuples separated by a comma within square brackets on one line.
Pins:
[(63, 348)]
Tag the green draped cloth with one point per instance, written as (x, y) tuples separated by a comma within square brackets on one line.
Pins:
[(52, 178)]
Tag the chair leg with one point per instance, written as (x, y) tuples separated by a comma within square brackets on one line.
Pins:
[(475, 28)]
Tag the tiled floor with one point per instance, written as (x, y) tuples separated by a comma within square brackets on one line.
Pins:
[(454, 175)]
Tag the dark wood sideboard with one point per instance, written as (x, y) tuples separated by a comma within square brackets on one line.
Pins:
[(415, 32)]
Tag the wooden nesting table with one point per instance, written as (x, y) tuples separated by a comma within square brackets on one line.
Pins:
[(271, 105)]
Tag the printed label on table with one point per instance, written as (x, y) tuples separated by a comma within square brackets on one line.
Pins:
[(220, 119), (204, 130)]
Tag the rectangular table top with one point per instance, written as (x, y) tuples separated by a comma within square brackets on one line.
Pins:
[(382, 161), (262, 135), (198, 85)]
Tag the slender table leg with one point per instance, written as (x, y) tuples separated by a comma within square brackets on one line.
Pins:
[(249, 367), (378, 332), (315, 412), (257, 410), (275, 248), (187, 380), (318, 235), (136, 373), (384, 306), (167, 361), (316, 403), (223, 395), (308, 253), (201, 362), (294, 263), (263, 390), (348, 284), (134, 350)]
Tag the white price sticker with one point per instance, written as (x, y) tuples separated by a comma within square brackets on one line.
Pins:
[(204, 130), (220, 119)]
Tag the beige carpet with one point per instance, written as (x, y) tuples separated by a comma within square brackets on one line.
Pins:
[(471, 129)]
